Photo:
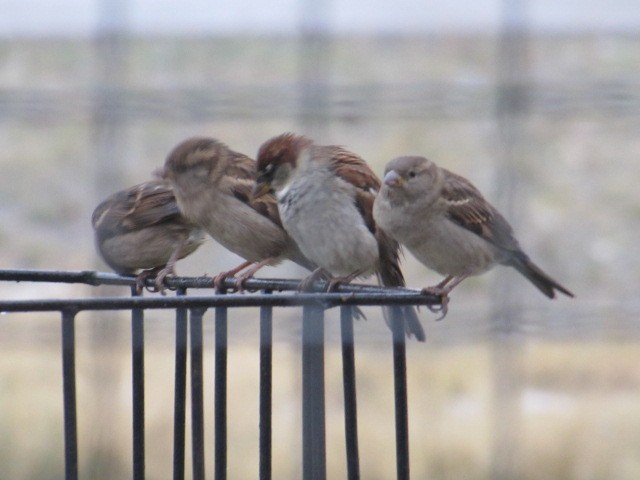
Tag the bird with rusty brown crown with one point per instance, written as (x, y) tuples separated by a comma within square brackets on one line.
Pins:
[(325, 197), (446, 223), (213, 185), (141, 228)]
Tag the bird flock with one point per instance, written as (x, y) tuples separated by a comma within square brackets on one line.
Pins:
[(320, 206)]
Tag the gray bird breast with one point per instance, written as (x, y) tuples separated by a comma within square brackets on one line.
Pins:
[(319, 213)]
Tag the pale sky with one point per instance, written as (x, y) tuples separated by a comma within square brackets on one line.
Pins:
[(80, 17)]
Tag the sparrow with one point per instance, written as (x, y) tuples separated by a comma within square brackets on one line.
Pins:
[(141, 228), (213, 185), (446, 223), (325, 197)]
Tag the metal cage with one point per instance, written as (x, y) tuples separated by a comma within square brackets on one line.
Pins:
[(189, 312)]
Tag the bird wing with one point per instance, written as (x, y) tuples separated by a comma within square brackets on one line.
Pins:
[(468, 208), (137, 208), (242, 178), (353, 169)]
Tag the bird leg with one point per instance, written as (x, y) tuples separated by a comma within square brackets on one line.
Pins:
[(307, 283), (220, 278), (442, 290), (142, 277), (309, 280), (455, 283), (239, 283), (335, 281), (169, 268), (439, 288)]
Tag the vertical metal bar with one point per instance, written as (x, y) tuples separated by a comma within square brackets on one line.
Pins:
[(400, 395), (515, 137), (109, 120), (180, 391), (314, 65), (220, 395), (197, 394), (266, 360), (350, 399), (69, 395), (137, 365), (313, 408)]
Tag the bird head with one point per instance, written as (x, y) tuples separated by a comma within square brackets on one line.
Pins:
[(191, 161), (278, 159)]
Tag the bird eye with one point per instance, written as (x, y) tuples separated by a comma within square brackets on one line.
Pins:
[(412, 174)]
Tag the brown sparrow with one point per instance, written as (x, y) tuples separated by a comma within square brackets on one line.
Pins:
[(446, 223), (325, 197), (141, 228), (213, 185)]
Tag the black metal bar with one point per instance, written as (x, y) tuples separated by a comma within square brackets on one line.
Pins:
[(325, 300), (314, 436), (350, 399), (400, 394), (197, 394), (180, 392), (220, 395), (86, 276), (313, 407), (266, 363), (91, 277), (69, 395), (137, 366)]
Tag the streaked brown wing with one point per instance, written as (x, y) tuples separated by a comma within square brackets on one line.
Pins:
[(240, 166), (139, 207), (242, 175), (468, 208), (155, 204), (353, 169)]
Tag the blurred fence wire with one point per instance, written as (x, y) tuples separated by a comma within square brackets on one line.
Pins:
[(435, 99)]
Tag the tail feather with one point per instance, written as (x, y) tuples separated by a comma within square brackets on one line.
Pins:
[(412, 325), (390, 275), (535, 275)]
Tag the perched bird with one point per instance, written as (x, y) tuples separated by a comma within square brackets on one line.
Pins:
[(325, 197), (446, 223), (213, 185), (141, 228)]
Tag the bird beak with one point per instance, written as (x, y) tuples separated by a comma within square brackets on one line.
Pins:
[(392, 179), (260, 189)]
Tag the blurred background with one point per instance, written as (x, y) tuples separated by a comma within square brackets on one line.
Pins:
[(537, 102)]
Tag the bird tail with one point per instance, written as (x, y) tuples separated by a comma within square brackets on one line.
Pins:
[(544, 282), (390, 275)]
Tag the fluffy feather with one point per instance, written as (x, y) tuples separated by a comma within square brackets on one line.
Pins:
[(325, 196), (447, 224)]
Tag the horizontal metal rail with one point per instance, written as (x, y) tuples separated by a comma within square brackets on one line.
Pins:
[(392, 101), (190, 311), (326, 300), (91, 277)]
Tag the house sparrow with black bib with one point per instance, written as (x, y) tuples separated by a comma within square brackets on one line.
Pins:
[(446, 223), (141, 228), (325, 197), (213, 185)]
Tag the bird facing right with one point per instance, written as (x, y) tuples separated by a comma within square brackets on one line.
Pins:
[(447, 224)]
